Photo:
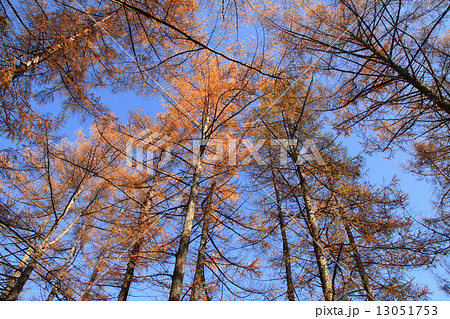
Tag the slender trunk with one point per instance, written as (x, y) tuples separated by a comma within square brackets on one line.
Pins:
[(20, 69), (354, 250), (358, 262), (86, 294), (200, 265), (181, 256), (180, 262), (324, 273), (19, 269), (23, 262), (23, 278), (14, 291), (63, 271), (134, 255), (129, 273), (336, 268), (286, 249), (26, 273)]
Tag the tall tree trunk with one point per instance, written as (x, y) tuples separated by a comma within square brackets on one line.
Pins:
[(358, 262), (14, 291), (19, 269), (200, 265), (129, 273), (181, 256), (23, 262), (134, 255), (63, 271), (324, 273), (286, 250), (23, 278), (355, 253), (86, 294)]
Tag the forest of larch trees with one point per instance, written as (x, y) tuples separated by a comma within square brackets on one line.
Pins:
[(237, 184)]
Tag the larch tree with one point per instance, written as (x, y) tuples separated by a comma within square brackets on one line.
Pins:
[(57, 186), (343, 208), (206, 104)]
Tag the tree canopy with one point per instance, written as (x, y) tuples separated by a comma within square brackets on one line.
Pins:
[(241, 186)]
